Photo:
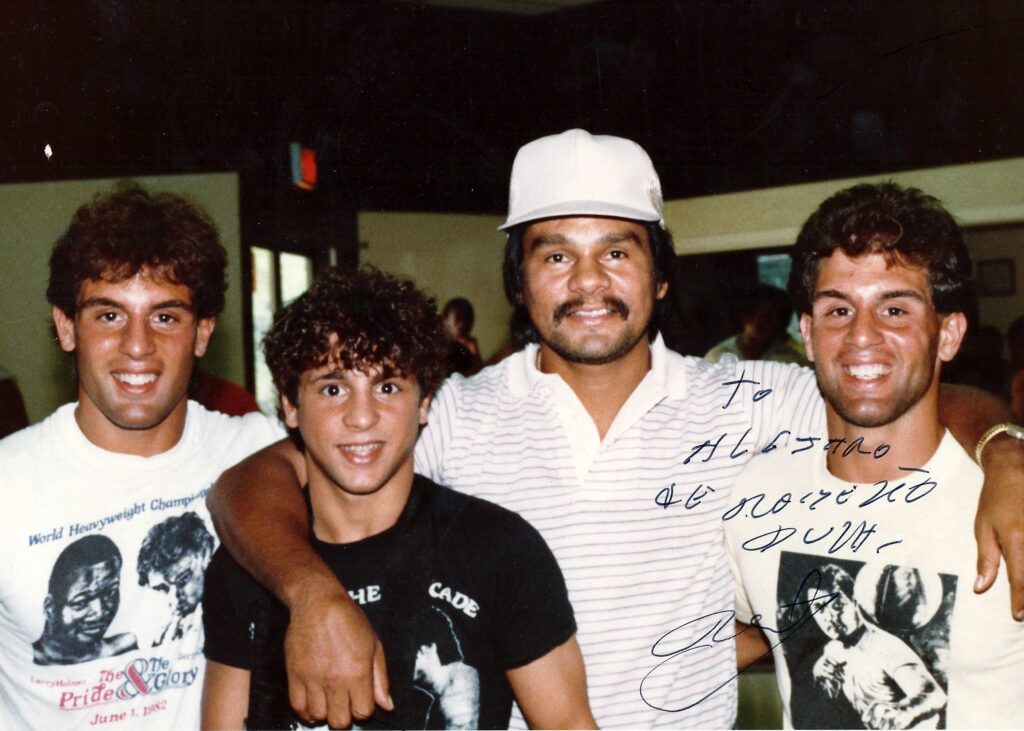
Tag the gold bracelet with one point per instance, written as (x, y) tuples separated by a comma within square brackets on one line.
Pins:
[(1017, 432)]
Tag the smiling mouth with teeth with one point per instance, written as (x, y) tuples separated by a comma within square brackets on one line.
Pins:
[(868, 371), (135, 379), (362, 449)]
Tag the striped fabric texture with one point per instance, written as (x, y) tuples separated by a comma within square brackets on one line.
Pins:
[(634, 519)]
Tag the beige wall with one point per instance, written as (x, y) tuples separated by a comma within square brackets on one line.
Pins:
[(979, 194), (987, 198), (34, 216), (448, 255)]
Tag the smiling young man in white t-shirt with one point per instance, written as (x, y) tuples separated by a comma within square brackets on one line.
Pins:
[(95, 629), (857, 563)]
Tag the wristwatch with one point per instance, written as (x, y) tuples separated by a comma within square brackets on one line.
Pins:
[(1017, 432)]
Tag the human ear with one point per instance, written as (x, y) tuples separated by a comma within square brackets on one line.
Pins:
[(65, 327), (424, 410), (952, 329), (291, 413), (203, 332), (806, 330)]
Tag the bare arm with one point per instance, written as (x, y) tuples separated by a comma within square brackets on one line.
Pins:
[(968, 412), (999, 524), (225, 697), (923, 698), (335, 661), (552, 690), (751, 645)]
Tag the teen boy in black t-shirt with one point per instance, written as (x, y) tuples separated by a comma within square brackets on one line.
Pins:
[(465, 596)]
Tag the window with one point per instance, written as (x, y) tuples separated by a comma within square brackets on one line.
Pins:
[(278, 277)]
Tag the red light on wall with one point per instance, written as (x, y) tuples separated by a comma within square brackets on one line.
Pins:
[(303, 166)]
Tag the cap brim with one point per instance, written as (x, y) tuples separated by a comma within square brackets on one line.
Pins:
[(565, 209)]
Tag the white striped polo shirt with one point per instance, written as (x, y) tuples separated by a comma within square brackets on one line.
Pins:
[(634, 519)]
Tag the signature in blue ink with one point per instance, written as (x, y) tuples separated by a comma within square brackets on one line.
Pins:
[(855, 446), (849, 535), (666, 496), (703, 633), (758, 395)]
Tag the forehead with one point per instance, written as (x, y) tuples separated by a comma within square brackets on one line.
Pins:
[(870, 273), (583, 230), (145, 287), (83, 576), (335, 367)]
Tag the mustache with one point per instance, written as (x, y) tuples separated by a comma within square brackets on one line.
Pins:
[(612, 303)]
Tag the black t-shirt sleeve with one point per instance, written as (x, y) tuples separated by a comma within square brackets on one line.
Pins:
[(228, 597), (534, 614)]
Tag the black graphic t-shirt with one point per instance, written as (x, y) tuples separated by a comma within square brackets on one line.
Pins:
[(459, 591)]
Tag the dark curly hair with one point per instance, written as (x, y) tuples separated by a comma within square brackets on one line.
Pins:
[(378, 322), (121, 233), (663, 256), (903, 224)]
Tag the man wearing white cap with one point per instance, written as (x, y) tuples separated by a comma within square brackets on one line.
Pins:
[(620, 451)]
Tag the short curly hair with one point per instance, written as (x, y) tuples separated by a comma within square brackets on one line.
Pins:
[(903, 224), (376, 320), (120, 233)]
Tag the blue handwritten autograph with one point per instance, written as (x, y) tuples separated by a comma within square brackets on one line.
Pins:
[(719, 627), (674, 646)]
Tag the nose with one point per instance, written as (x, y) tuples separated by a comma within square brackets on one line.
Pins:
[(588, 275), (864, 330), (137, 339), (361, 413), (96, 607)]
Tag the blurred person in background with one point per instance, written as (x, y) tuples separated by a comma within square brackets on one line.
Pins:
[(765, 315), (463, 351)]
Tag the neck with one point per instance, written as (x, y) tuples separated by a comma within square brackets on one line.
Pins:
[(603, 388), (340, 516), (145, 442), (885, 452)]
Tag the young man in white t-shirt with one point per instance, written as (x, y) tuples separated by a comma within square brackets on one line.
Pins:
[(872, 539), (104, 533)]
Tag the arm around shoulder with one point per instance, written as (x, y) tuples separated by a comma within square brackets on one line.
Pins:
[(999, 525), (334, 659), (552, 690), (260, 515)]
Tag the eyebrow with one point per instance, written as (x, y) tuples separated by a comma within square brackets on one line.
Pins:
[(334, 375), (107, 302), (615, 237), (890, 295)]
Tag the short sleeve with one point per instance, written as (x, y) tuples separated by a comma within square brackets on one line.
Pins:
[(744, 608), (534, 614), (436, 435), (228, 596)]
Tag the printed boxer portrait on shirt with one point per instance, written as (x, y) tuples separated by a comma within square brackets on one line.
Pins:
[(81, 602), (173, 559), (879, 660)]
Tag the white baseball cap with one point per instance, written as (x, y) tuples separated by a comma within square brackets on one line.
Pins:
[(576, 173)]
